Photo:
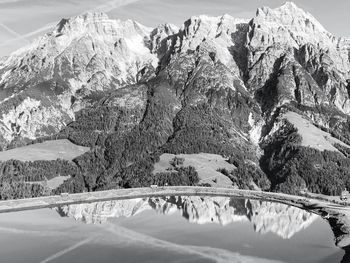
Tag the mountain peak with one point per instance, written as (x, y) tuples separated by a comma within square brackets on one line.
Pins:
[(99, 24), (84, 19), (290, 14), (94, 15), (289, 5), (291, 23), (88, 21)]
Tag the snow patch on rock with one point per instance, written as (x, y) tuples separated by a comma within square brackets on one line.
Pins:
[(313, 136), (256, 129), (27, 120)]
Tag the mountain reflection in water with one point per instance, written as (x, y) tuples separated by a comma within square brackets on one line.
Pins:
[(168, 229), (265, 217)]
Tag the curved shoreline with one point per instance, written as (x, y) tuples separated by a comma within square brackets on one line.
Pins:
[(130, 193)]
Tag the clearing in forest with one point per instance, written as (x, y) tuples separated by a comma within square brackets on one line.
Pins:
[(49, 150)]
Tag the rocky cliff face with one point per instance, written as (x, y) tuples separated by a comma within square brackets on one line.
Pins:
[(282, 220), (293, 58), (43, 85), (217, 84)]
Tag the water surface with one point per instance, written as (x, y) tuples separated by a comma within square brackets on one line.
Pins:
[(172, 229)]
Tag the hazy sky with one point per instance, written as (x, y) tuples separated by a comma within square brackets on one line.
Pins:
[(22, 20)]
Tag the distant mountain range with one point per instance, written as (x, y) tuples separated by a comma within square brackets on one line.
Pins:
[(270, 94)]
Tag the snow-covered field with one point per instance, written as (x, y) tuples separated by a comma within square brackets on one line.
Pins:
[(312, 136), (205, 164), (49, 150)]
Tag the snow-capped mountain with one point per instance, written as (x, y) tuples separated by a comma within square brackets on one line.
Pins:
[(55, 74), (291, 43), (282, 220), (44, 84)]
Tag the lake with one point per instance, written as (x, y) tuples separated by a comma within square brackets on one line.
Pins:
[(168, 229)]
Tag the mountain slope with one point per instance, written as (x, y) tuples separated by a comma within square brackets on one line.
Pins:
[(65, 70), (216, 85)]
